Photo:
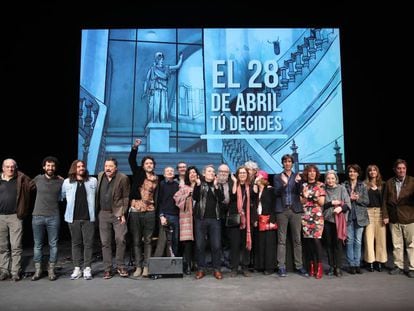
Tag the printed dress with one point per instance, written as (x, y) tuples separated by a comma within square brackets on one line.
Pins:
[(312, 219)]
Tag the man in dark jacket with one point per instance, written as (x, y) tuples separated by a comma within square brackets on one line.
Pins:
[(289, 209), (14, 205), (208, 195)]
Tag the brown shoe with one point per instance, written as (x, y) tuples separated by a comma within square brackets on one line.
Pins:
[(4, 276), (218, 275), (107, 275), (200, 275), (123, 272)]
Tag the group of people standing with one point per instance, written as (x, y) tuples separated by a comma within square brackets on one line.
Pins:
[(242, 211)]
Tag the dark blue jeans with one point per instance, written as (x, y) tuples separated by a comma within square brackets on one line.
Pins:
[(50, 224), (174, 221), (208, 228)]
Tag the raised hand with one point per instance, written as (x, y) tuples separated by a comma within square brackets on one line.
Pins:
[(137, 142), (233, 178)]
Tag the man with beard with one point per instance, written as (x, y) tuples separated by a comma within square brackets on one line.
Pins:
[(112, 202), (141, 220), (46, 216), (227, 184), (79, 190)]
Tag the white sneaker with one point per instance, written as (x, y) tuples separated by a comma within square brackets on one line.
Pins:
[(87, 273), (77, 273)]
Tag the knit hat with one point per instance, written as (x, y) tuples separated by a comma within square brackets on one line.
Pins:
[(263, 174)]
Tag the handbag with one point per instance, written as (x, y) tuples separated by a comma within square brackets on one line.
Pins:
[(264, 223), (232, 220)]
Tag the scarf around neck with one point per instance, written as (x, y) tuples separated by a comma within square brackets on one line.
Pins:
[(244, 218)]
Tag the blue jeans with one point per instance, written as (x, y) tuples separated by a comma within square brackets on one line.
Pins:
[(210, 227), (354, 243), (52, 226), (173, 220)]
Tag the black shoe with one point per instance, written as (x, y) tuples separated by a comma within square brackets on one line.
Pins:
[(282, 272), (233, 273), (331, 271), (352, 270), (187, 269), (379, 267), (370, 267), (303, 272), (338, 272), (358, 270), (395, 271)]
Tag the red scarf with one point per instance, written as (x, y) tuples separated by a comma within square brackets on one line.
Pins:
[(340, 222), (244, 218)]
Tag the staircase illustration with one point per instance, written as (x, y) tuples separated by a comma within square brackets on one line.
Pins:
[(295, 66)]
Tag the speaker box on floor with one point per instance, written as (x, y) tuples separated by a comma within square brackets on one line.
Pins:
[(165, 267)]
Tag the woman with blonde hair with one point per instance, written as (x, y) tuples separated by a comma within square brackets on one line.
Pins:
[(265, 221), (335, 212)]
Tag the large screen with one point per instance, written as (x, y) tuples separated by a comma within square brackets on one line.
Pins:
[(212, 96)]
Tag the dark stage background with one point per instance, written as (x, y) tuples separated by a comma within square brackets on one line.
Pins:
[(40, 67)]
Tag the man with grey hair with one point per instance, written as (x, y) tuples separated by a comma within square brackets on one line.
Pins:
[(398, 212), (14, 205), (208, 195), (223, 178)]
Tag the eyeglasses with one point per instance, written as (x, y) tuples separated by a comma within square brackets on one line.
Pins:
[(182, 166)]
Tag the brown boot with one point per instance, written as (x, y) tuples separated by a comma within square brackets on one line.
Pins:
[(311, 268), (38, 271), (319, 272), (145, 272)]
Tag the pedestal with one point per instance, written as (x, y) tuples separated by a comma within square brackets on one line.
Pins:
[(158, 137)]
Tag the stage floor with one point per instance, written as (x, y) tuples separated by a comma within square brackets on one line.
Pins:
[(369, 291)]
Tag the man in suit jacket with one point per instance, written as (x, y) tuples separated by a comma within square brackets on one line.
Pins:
[(112, 201), (289, 209), (398, 211)]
